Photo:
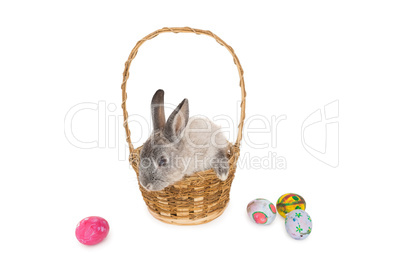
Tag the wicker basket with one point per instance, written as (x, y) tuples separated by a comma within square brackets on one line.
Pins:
[(198, 198)]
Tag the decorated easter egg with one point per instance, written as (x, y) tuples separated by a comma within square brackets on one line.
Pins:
[(92, 230), (261, 211), (298, 224), (288, 202)]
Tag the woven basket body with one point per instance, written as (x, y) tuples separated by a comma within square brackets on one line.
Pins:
[(198, 198)]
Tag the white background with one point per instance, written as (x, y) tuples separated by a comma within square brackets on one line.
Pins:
[(297, 56)]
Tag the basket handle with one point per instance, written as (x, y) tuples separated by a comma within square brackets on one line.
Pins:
[(181, 30)]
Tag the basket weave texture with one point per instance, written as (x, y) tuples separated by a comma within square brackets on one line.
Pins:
[(198, 198)]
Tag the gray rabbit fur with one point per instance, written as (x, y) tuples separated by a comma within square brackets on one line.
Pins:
[(180, 146)]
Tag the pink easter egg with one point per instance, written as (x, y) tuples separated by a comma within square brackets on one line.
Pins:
[(92, 230)]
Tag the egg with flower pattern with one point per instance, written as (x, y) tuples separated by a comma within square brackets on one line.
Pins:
[(261, 211), (298, 224)]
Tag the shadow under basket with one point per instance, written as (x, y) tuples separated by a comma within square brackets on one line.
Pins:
[(201, 197)]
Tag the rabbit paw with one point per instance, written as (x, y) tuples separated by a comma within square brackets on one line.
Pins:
[(222, 170)]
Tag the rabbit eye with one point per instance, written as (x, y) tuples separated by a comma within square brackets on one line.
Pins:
[(162, 162)]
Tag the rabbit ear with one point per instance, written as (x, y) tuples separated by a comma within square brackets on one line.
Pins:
[(158, 110), (177, 121)]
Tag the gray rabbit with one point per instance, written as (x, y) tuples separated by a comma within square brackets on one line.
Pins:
[(180, 147)]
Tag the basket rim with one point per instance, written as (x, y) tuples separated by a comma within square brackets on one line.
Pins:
[(233, 157)]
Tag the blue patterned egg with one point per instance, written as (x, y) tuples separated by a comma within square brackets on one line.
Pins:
[(261, 211), (298, 224)]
